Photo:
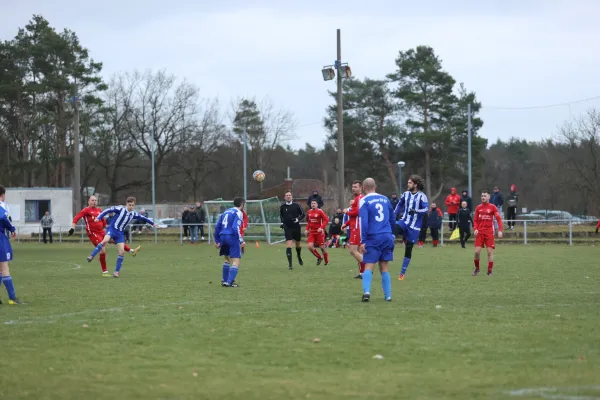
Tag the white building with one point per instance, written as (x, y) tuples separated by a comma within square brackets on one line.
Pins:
[(26, 207)]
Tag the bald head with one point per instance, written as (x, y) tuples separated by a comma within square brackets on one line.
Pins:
[(369, 185), (92, 201)]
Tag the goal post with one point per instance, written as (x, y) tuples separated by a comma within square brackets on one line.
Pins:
[(263, 217)]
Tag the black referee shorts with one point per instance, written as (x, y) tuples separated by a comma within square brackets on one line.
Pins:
[(292, 233)]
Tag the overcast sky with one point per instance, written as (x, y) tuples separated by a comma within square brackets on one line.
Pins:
[(511, 53)]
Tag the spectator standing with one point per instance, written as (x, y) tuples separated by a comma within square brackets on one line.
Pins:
[(498, 200), (465, 197), (193, 220), (434, 220), (465, 221), (512, 201), (315, 196), (184, 218), (453, 204), (47, 221), (201, 218)]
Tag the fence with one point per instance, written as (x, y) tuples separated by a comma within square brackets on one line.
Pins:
[(525, 232)]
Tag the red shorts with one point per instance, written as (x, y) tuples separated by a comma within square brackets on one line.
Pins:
[(317, 238), (354, 237), (96, 237), (485, 239)]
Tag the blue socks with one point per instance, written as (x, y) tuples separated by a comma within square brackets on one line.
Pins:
[(10, 288), (386, 284), (97, 250), (405, 265), (225, 277), (366, 281), (119, 263), (233, 270)]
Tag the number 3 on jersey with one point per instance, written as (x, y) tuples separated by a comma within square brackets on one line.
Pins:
[(380, 216)]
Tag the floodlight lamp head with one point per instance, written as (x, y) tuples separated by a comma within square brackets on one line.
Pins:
[(328, 73), (401, 164), (345, 71)]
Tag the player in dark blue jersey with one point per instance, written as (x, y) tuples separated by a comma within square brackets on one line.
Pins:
[(377, 221), (411, 208), (116, 230), (6, 252), (229, 240)]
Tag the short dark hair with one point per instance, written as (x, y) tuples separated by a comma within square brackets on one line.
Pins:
[(485, 191), (357, 182), (130, 199), (288, 191), (314, 201), (238, 201), (2, 190)]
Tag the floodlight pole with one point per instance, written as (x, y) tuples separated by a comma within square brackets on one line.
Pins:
[(76, 177), (154, 189), (245, 139), (469, 145), (340, 125)]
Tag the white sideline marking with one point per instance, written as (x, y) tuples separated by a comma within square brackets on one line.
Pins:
[(554, 393), (77, 266)]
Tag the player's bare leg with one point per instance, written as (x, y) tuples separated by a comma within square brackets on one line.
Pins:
[(311, 248), (119, 264), (233, 270), (490, 254), (353, 249), (476, 260)]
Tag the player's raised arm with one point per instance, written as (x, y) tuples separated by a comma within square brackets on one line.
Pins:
[(142, 218), (422, 205), (400, 206), (113, 209)]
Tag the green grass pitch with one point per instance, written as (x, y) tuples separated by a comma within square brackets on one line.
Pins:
[(167, 330)]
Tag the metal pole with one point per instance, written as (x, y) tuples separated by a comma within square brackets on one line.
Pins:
[(76, 177), (245, 165), (400, 180), (469, 144), (154, 189), (340, 126)]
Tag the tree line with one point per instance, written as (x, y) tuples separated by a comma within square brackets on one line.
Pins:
[(417, 113)]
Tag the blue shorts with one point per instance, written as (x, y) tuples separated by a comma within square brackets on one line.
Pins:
[(116, 235), (230, 246), (409, 234), (379, 248), (6, 252)]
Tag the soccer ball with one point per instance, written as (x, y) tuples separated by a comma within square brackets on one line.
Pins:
[(258, 176)]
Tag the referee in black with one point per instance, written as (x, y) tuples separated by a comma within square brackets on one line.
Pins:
[(291, 213)]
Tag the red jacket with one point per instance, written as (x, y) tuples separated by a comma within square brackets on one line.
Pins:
[(453, 201)]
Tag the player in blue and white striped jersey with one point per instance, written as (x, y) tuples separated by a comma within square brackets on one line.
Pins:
[(115, 231), (412, 207)]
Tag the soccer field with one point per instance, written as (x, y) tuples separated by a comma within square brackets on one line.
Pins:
[(167, 330)]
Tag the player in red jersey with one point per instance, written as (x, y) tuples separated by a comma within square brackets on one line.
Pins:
[(483, 225), (243, 227), (95, 230), (353, 223), (315, 230)]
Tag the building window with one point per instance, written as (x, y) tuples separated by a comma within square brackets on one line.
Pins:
[(35, 209)]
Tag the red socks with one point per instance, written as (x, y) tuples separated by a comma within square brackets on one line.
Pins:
[(362, 267), (316, 253), (127, 248), (490, 266), (103, 261), (326, 257), (476, 264)]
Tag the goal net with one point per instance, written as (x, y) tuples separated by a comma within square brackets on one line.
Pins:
[(263, 218)]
